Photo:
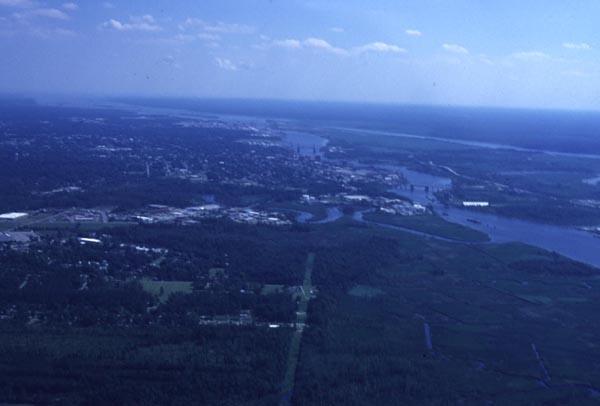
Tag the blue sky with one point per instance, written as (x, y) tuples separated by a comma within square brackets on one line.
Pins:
[(501, 53)]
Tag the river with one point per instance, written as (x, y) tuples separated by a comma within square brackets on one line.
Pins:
[(567, 241)]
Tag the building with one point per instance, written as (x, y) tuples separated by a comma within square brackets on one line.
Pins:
[(12, 216), (475, 204)]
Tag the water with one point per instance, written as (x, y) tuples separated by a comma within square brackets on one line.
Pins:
[(570, 242), (567, 241), (333, 214), (303, 216)]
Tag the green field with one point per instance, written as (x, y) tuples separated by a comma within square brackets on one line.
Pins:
[(365, 291), (164, 289), (86, 226), (319, 211), (430, 224)]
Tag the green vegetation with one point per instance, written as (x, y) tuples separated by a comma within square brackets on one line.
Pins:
[(156, 366), (365, 291), (85, 226), (430, 224), (319, 211), (295, 345), (164, 289), (485, 306)]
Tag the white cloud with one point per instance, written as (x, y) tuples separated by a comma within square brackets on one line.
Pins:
[(226, 64), (143, 23), (531, 56), (309, 43), (70, 6), (338, 30), (483, 58), (454, 48), (108, 5), (288, 43), (576, 73), (580, 46), (44, 12), (204, 36), (17, 3), (218, 27), (321, 44), (379, 47), (413, 33)]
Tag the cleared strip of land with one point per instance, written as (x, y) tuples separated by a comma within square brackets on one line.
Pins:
[(294, 352)]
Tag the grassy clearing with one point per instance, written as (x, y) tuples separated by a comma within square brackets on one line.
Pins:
[(91, 226), (270, 289), (319, 211), (365, 291), (430, 224), (164, 289), (294, 350)]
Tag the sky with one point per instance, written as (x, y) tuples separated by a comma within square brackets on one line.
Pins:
[(525, 53)]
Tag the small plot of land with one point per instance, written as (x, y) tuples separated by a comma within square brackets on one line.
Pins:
[(365, 291), (294, 351), (430, 224), (164, 289), (269, 289), (318, 211), (87, 226)]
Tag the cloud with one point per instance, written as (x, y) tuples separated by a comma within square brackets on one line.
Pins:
[(52, 13), (379, 47), (169, 60), (70, 6), (320, 44), (579, 46), (288, 43), (454, 48), (204, 36), (17, 3), (338, 30), (309, 43), (108, 5), (484, 58), (531, 56), (413, 33), (143, 23), (226, 64), (576, 73), (218, 27)]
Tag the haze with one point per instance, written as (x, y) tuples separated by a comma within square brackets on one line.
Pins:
[(484, 53)]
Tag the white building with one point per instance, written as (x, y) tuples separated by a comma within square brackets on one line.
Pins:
[(12, 216), (476, 204)]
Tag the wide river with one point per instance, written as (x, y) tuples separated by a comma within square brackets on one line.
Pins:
[(568, 241)]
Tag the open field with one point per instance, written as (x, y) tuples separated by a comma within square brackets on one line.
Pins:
[(430, 224), (319, 211), (164, 289), (86, 226), (295, 345)]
